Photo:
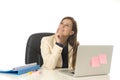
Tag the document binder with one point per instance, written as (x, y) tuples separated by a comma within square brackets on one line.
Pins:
[(27, 65), (22, 70)]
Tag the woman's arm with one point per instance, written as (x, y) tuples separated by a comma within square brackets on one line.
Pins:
[(50, 54)]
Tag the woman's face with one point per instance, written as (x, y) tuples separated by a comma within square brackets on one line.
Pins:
[(65, 27)]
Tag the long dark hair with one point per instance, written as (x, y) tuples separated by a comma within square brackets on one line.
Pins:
[(73, 39)]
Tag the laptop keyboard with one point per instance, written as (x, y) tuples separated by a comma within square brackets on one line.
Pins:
[(67, 71)]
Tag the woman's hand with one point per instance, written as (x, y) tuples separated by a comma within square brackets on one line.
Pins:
[(60, 38)]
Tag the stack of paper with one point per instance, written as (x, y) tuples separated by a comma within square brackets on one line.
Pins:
[(22, 69)]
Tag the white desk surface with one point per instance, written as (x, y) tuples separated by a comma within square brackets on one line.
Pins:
[(49, 75)]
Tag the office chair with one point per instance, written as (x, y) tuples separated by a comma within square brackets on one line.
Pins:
[(33, 51)]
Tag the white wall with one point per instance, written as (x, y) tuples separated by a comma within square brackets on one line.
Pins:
[(98, 23)]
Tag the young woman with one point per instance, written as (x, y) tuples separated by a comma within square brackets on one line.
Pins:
[(59, 50)]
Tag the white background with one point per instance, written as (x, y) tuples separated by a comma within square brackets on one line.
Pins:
[(98, 23)]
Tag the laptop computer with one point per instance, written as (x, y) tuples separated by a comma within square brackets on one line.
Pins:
[(92, 60)]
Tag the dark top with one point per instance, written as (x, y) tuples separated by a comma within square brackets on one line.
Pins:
[(64, 55)]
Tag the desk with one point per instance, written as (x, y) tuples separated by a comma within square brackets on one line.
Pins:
[(49, 75)]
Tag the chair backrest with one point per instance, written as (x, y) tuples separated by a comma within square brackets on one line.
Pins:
[(33, 51)]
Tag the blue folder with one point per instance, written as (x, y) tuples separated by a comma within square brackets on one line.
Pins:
[(22, 70)]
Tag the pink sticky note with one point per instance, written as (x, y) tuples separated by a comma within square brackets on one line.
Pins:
[(103, 58), (36, 73), (95, 62)]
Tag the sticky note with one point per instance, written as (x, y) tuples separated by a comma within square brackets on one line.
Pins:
[(29, 72), (36, 73), (95, 62), (103, 58)]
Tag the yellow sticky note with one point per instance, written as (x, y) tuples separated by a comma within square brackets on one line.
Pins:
[(29, 72)]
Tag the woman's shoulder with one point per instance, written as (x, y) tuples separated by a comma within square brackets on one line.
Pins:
[(48, 38)]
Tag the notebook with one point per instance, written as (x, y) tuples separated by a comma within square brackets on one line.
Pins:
[(92, 60), (22, 69)]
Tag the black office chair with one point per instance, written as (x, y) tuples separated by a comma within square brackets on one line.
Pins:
[(33, 51)]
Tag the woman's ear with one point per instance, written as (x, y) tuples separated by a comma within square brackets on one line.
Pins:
[(72, 32)]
